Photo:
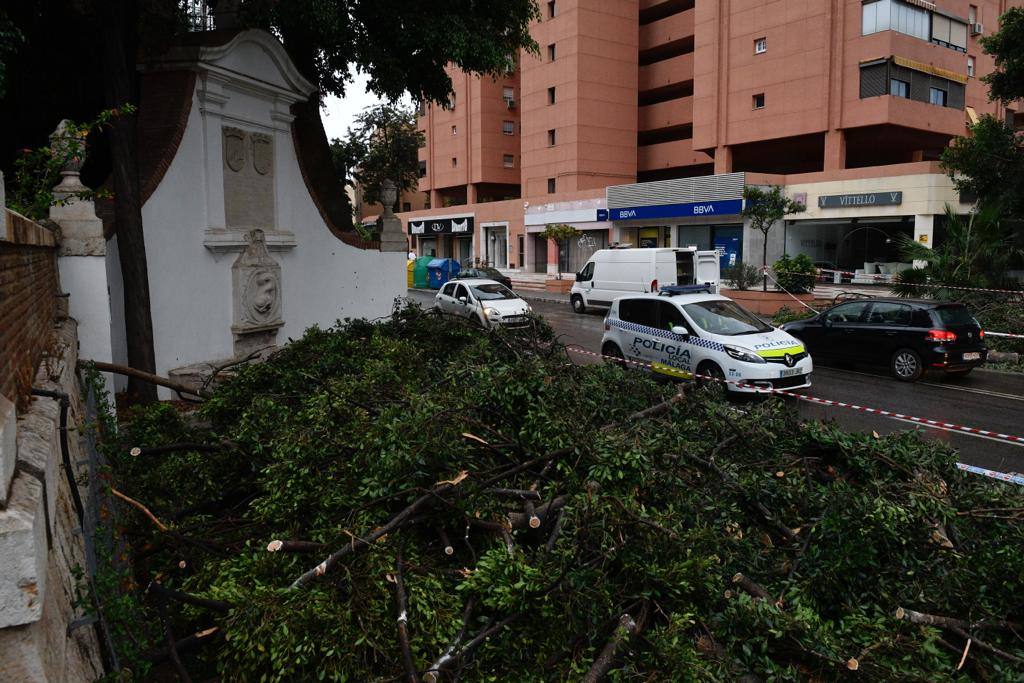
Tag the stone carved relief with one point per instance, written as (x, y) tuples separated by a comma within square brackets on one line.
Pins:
[(262, 153), (248, 180), (256, 295), (234, 148)]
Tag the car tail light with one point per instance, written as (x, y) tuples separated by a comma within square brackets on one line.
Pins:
[(940, 336), (981, 334), (654, 285)]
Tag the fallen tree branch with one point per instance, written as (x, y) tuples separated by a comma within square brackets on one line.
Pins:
[(755, 590), (176, 447), (147, 377), (189, 642), (145, 510), (765, 513), (915, 617), (392, 524), (522, 520), (514, 493), (172, 648), (403, 623), (625, 630), (279, 546), (215, 605), (433, 674)]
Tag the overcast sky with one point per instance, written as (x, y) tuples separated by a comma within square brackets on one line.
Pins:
[(339, 114)]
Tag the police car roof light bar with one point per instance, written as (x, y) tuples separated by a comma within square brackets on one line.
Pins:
[(672, 290)]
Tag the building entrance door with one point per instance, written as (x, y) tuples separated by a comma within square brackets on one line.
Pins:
[(729, 245), (497, 246)]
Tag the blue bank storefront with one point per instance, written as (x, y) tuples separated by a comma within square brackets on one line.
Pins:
[(701, 212)]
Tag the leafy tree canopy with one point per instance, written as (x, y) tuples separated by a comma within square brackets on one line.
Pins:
[(384, 145), (764, 207), (1006, 82)]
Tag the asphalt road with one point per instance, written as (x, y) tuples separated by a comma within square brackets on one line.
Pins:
[(987, 400)]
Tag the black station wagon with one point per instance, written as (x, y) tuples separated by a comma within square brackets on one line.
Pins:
[(910, 337)]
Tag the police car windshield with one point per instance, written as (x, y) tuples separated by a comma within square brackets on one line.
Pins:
[(492, 292), (724, 318)]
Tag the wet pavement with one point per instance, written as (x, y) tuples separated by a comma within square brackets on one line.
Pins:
[(986, 400)]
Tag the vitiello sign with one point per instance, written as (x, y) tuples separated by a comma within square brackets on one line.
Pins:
[(845, 201)]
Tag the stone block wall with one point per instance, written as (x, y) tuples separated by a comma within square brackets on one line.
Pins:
[(40, 537), (28, 300)]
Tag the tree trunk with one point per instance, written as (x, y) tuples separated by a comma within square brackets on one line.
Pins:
[(117, 19), (764, 261)]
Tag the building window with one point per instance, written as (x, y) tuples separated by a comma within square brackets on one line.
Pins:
[(551, 185), (551, 95), (937, 96), (551, 138), (894, 15), (898, 88), (949, 32), (508, 94), (972, 14), (423, 169), (406, 206), (508, 161), (421, 108), (760, 46), (455, 162), (455, 130), (551, 9), (551, 52), (759, 101), (508, 127), (970, 67)]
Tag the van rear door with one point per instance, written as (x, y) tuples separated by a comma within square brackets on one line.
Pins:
[(709, 268)]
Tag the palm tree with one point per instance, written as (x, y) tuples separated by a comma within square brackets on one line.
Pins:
[(976, 252)]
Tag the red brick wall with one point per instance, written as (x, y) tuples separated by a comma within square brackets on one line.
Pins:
[(28, 289)]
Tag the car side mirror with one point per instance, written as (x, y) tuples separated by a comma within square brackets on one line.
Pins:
[(463, 300), (579, 277), (826, 321), (680, 330)]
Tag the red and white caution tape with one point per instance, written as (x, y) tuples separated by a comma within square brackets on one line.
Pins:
[(1010, 477), (836, 404), (1004, 334), (887, 280)]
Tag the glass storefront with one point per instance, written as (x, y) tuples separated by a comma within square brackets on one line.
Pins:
[(849, 245), (647, 237), (726, 239)]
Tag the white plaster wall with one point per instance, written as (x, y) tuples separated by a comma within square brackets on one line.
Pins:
[(322, 278), (85, 277)]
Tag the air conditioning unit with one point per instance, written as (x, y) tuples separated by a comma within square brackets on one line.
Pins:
[(511, 104), (977, 29)]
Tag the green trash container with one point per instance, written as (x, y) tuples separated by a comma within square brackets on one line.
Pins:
[(419, 272)]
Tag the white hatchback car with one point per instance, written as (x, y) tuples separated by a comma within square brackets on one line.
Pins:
[(684, 331), (490, 303)]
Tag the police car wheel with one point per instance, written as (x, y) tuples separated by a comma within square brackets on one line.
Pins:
[(906, 365), (613, 354), (710, 374), (577, 304)]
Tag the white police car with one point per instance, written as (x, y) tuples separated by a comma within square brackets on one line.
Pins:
[(686, 330)]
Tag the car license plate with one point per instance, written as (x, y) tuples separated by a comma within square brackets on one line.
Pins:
[(974, 355), (792, 372)]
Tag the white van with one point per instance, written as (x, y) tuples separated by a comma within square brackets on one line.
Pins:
[(617, 272)]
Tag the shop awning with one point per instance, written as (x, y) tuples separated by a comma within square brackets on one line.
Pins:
[(929, 69)]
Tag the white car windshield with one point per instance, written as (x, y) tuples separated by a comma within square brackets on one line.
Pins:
[(492, 292), (724, 318)]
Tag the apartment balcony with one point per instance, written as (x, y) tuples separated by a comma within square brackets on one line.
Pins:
[(669, 72), (668, 30), (669, 155), (669, 114), (899, 111)]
